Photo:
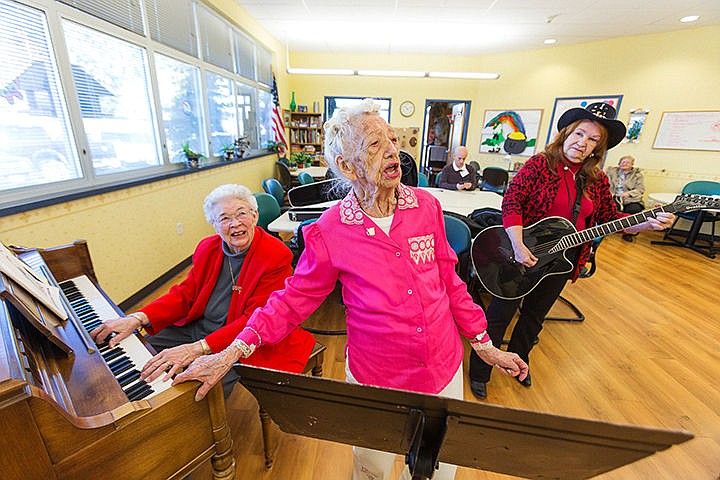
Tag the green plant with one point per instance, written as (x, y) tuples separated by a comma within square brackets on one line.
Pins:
[(189, 152), (300, 158), (274, 146), (228, 147)]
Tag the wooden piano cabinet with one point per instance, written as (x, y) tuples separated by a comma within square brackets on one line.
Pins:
[(164, 437)]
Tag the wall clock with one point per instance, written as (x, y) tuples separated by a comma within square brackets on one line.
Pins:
[(407, 108)]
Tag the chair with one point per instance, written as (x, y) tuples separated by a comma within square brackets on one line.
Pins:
[(476, 166), (273, 187), (494, 179), (314, 365), (701, 187), (409, 169), (587, 271), (458, 235), (282, 174), (423, 180), (439, 178), (297, 243), (268, 209), (304, 178)]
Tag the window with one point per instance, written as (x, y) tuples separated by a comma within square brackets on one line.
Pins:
[(36, 143), (172, 23), (265, 109), (77, 109), (223, 117), (331, 103), (182, 107), (116, 108)]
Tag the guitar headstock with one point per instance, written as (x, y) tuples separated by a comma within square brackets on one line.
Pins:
[(687, 202)]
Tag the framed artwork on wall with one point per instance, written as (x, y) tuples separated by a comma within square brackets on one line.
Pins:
[(510, 132), (563, 104)]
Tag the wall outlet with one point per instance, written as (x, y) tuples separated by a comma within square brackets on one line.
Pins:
[(179, 228)]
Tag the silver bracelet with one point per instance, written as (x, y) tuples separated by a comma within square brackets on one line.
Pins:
[(245, 349), (478, 338), (482, 346), (137, 317)]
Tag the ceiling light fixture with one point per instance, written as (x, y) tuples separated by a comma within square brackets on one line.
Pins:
[(689, 18), (391, 73), (549, 41), (320, 71), (471, 75)]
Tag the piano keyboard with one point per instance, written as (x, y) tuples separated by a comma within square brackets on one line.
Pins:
[(127, 358)]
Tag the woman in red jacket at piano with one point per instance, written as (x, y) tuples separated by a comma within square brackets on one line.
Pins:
[(233, 273)]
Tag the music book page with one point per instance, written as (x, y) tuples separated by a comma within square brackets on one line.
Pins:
[(33, 283)]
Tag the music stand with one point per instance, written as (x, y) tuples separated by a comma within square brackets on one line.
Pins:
[(427, 428)]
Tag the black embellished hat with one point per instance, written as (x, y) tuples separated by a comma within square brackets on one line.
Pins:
[(600, 112)]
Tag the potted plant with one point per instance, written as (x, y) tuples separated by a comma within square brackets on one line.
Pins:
[(278, 147), (301, 159), (192, 157), (242, 145), (229, 152)]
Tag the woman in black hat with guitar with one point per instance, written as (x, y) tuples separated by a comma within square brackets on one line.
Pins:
[(563, 181)]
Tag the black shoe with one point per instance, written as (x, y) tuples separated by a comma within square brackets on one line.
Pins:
[(525, 383), (627, 237), (478, 388)]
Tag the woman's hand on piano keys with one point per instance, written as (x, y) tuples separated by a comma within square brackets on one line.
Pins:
[(121, 327), (171, 361)]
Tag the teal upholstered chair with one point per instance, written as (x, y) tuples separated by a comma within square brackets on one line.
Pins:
[(494, 179), (304, 178), (273, 187), (268, 209), (459, 237), (422, 180)]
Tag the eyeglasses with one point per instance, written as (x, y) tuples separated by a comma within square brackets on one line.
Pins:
[(226, 220)]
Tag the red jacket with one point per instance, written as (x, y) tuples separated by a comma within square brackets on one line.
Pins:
[(266, 266)]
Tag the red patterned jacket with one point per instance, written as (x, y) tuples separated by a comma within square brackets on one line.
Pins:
[(532, 192), (266, 266)]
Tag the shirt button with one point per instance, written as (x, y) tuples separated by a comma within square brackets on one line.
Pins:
[(409, 292), (397, 254), (419, 329)]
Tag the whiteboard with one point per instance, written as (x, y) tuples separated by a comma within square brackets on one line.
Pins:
[(689, 131)]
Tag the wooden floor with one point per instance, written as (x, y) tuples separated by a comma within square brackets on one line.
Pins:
[(648, 354)]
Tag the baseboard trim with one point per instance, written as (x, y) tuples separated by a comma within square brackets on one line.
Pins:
[(144, 292)]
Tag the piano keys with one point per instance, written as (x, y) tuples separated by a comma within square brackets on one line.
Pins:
[(83, 415)]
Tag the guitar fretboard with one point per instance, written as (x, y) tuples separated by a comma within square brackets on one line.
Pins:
[(577, 238)]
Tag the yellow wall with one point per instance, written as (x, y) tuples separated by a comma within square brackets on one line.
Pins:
[(660, 72), (132, 234)]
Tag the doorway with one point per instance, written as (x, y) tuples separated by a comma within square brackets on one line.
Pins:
[(445, 127)]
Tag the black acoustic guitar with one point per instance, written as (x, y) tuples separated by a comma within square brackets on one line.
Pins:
[(549, 239)]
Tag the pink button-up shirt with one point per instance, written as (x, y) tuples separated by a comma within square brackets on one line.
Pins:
[(406, 306)]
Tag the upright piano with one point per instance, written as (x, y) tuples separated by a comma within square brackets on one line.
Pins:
[(81, 412)]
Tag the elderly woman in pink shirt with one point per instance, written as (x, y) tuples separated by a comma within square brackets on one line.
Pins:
[(406, 307)]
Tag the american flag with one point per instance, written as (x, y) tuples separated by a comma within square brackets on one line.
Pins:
[(277, 120)]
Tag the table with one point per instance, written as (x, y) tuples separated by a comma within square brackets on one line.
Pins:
[(315, 172), (456, 201), (692, 234)]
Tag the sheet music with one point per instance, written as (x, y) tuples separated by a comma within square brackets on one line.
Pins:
[(37, 286)]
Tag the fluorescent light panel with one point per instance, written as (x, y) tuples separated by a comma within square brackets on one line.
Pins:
[(391, 73), (320, 71), (472, 75)]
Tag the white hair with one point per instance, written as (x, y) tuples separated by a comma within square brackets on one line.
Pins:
[(230, 190), (342, 137)]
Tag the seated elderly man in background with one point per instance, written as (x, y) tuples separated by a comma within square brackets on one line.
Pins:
[(627, 186), (233, 273), (458, 175)]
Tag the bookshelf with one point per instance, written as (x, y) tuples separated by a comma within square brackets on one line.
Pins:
[(305, 130)]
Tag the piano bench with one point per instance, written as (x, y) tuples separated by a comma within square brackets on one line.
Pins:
[(314, 366)]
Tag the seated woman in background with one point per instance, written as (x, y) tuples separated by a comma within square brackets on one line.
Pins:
[(458, 175), (233, 273), (627, 186), (407, 309)]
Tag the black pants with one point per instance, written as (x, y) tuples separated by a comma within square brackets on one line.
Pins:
[(173, 336), (534, 307), (631, 208)]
